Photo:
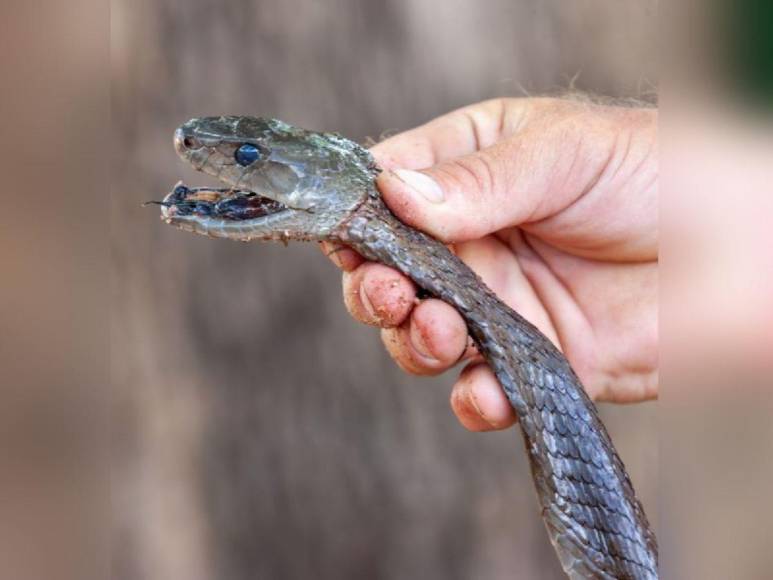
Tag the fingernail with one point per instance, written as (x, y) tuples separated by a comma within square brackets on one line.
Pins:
[(331, 251), (421, 183), (419, 344), (488, 408), (366, 303), (473, 401)]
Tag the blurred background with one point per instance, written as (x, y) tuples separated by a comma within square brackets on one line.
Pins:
[(261, 433), (178, 407)]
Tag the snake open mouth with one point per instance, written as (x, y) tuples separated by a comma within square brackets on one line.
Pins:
[(217, 203)]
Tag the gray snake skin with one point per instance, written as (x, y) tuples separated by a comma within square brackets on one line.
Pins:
[(287, 183)]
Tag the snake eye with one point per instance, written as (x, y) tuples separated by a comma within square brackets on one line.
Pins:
[(246, 154)]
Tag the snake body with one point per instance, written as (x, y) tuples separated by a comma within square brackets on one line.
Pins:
[(320, 186), (596, 523)]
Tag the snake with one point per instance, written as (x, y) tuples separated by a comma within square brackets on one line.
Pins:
[(284, 183)]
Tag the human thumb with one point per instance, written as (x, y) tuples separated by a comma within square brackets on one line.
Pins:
[(521, 179)]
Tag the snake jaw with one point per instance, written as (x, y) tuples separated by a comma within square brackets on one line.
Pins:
[(240, 215)]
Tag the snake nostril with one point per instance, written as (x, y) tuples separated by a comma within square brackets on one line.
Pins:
[(183, 142)]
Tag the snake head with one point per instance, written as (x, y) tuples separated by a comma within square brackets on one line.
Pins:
[(282, 182)]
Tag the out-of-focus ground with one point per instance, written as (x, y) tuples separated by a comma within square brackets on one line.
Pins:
[(261, 432)]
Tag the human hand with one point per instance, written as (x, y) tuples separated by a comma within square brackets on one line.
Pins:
[(554, 204)]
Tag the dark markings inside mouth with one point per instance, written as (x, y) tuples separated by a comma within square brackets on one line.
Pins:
[(228, 204)]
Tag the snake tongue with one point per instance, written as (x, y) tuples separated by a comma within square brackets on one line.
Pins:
[(225, 204)]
